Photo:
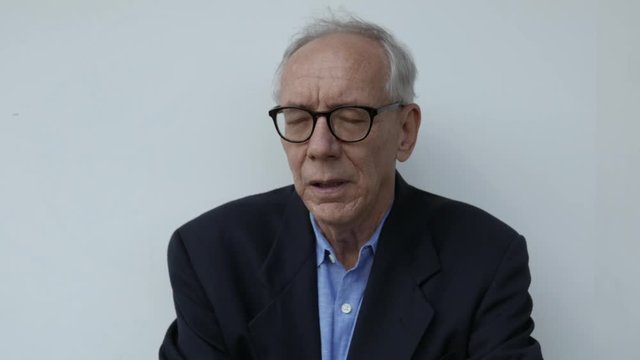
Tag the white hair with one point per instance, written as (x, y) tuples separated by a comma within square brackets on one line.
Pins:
[(402, 70)]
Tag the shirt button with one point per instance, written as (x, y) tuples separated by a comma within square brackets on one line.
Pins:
[(346, 308)]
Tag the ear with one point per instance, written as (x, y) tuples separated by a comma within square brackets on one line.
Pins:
[(410, 124)]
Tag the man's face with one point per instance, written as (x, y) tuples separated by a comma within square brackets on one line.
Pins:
[(343, 184)]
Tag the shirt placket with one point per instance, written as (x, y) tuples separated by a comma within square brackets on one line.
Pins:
[(346, 305)]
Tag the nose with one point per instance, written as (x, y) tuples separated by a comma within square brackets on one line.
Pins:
[(322, 144)]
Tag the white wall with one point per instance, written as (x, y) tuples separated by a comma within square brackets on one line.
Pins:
[(120, 120)]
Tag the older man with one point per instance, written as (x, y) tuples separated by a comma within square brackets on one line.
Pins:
[(351, 262)]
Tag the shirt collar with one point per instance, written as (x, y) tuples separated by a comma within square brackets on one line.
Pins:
[(324, 249)]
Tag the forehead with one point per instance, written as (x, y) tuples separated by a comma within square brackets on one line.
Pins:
[(335, 69)]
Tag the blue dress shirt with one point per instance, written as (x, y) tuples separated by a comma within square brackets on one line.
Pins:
[(340, 292)]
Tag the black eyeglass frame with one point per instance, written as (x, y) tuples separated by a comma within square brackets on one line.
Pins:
[(373, 112)]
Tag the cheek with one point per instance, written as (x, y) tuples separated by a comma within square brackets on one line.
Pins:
[(295, 158), (379, 161), (367, 163)]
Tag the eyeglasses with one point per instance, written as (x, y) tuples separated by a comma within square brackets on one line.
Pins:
[(348, 124)]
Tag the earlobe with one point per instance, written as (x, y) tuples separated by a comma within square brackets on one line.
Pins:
[(409, 131)]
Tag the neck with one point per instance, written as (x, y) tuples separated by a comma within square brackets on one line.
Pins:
[(348, 239)]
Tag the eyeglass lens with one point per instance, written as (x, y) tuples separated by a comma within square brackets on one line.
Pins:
[(348, 124)]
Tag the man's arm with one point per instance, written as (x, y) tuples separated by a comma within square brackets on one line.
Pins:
[(195, 333), (503, 325)]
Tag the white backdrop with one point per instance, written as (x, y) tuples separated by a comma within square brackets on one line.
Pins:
[(121, 120)]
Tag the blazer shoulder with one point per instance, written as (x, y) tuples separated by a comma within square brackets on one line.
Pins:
[(254, 213), (466, 238), (467, 224)]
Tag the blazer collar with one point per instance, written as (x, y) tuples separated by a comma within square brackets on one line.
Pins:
[(288, 326), (395, 313)]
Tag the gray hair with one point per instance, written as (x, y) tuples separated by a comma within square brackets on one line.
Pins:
[(402, 70)]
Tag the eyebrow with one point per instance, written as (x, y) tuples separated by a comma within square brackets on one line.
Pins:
[(298, 105), (335, 105), (329, 107)]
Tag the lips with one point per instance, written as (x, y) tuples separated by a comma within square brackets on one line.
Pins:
[(328, 189), (328, 184)]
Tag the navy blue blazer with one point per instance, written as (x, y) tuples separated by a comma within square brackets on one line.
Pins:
[(449, 281)]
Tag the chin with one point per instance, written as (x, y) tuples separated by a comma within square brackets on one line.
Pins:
[(331, 213)]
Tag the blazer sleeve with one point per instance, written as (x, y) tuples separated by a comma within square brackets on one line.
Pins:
[(195, 334), (503, 325)]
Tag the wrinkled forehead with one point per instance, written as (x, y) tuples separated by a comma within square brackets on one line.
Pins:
[(336, 69)]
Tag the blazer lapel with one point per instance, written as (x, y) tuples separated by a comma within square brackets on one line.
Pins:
[(288, 326), (394, 312)]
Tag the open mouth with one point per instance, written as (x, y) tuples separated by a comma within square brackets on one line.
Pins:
[(329, 184)]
